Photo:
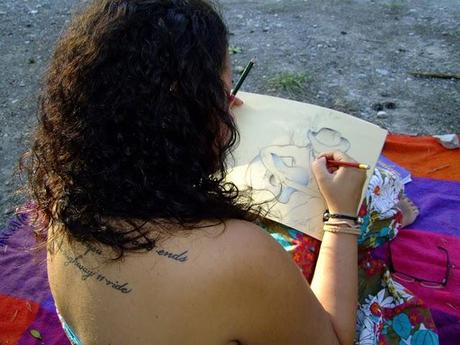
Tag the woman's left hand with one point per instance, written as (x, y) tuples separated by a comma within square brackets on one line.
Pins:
[(235, 101)]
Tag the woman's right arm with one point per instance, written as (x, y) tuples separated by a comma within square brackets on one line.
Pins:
[(335, 282), (273, 301)]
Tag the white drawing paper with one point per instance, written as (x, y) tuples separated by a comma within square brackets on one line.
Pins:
[(279, 139)]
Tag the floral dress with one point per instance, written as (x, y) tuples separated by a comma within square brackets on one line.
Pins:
[(387, 313)]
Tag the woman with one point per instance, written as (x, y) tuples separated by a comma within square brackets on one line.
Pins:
[(146, 243)]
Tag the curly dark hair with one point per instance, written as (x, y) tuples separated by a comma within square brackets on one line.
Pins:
[(134, 123)]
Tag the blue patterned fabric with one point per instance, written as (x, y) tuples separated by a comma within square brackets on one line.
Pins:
[(69, 331)]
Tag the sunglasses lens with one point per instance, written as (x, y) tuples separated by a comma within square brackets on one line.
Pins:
[(403, 277), (431, 285)]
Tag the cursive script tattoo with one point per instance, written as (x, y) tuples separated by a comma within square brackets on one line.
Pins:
[(88, 273), (182, 257), (75, 261)]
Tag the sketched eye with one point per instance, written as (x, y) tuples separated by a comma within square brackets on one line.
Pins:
[(327, 139)]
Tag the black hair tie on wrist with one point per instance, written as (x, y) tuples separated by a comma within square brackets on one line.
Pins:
[(327, 216)]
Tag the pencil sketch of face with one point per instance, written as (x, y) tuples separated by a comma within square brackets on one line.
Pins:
[(280, 140), (285, 169), (281, 170), (327, 139)]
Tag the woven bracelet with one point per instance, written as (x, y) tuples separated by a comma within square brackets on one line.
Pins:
[(338, 222), (335, 228)]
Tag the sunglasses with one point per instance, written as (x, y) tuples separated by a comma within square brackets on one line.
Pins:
[(433, 284)]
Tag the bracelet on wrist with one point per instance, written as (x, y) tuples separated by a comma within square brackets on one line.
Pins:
[(343, 228), (327, 216), (344, 222)]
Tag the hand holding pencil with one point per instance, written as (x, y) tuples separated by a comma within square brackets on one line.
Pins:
[(340, 186), (333, 163)]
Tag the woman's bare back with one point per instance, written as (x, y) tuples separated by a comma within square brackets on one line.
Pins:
[(212, 286), (165, 296)]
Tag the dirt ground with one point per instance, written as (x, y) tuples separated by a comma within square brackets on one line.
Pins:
[(357, 56)]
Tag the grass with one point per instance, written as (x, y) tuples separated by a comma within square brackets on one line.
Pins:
[(234, 50), (290, 82)]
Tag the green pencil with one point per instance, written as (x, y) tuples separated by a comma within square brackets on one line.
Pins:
[(245, 73)]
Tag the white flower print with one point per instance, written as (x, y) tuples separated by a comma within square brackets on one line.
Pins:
[(369, 321), (383, 194)]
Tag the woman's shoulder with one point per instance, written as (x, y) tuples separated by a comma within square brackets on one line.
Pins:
[(227, 256), (257, 288), (241, 242), (244, 257)]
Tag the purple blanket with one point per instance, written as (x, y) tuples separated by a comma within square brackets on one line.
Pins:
[(28, 316)]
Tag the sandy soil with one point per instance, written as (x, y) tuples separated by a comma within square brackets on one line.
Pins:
[(351, 55)]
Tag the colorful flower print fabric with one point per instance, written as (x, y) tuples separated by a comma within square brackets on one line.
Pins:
[(387, 313)]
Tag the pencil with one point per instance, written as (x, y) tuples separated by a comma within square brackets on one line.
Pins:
[(245, 73), (331, 162)]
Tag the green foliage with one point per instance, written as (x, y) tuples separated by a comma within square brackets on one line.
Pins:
[(235, 50), (290, 82)]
